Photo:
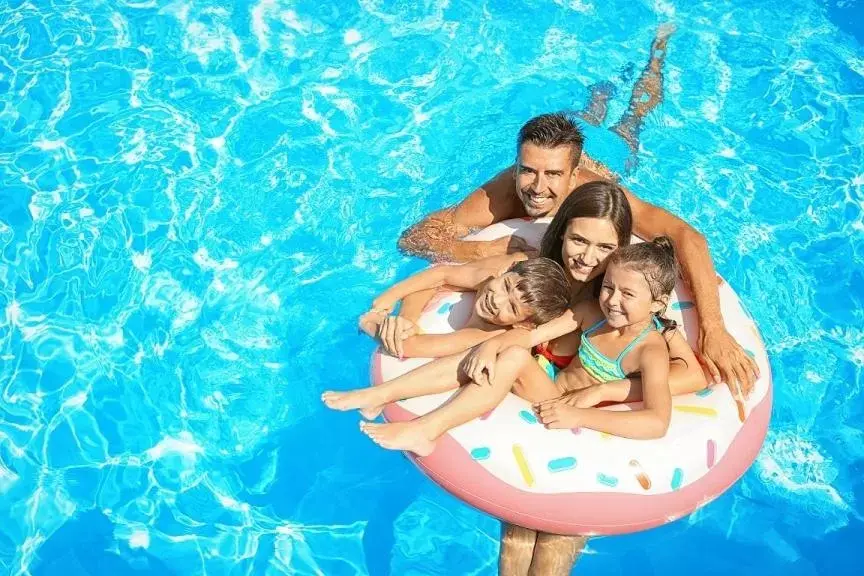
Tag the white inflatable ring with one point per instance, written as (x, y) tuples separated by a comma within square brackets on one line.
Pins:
[(581, 481)]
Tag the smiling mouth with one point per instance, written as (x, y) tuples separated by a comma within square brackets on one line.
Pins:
[(580, 267), (537, 201)]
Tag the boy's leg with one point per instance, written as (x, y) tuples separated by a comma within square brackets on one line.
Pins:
[(595, 111), (419, 436), (647, 93), (439, 375), (555, 555)]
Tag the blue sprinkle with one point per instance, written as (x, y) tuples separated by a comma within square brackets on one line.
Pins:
[(528, 417), (480, 453), (610, 481), (561, 464), (445, 308), (681, 305), (750, 353), (705, 392), (677, 477)]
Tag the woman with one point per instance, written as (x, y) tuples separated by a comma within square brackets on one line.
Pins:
[(591, 223)]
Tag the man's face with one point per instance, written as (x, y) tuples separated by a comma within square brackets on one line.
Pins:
[(544, 177)]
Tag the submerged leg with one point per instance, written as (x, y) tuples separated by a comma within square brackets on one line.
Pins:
[(595, 111), (647, 93), (556, 555), (517, 550)]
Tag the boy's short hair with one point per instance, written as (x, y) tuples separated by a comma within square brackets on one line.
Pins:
[(544, 288)]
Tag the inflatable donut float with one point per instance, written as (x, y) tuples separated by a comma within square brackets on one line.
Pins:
[(582, 482)]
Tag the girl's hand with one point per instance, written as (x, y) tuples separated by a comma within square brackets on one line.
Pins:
[(393, 331), (479, 364)]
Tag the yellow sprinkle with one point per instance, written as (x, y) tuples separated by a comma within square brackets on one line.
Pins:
[(605, 436), (701, 410), (523, 465)]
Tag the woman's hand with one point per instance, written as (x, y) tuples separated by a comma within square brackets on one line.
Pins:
[(393, 331), (479, 364)]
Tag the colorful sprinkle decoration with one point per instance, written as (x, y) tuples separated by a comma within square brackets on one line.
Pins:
[(445, 308), (606, 480), (677, 478), (528, 417), (481, 453), (711, 453), (527, 476), (700, 410), (640, 474), (705, 392), (561, 464), (682, 305)]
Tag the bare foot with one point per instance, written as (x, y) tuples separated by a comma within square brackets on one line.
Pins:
[(558, 415), (664, 31), (409, 436), (366, 400)]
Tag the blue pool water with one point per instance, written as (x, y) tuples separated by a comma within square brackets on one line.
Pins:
[(197, 200)]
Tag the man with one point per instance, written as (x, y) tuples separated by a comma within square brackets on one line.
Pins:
[(547, 168)]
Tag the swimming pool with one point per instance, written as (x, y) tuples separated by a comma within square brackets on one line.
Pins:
[(197, 201)]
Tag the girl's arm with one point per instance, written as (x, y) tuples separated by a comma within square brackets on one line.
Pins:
[(650, 422)]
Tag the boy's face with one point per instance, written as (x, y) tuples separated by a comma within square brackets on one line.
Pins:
[(499, 302)]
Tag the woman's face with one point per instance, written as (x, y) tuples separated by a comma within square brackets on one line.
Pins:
[(585, 246)]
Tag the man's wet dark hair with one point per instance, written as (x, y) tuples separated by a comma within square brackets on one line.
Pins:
[(552, 131)]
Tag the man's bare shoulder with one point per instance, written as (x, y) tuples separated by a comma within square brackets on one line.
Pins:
[(492, 202)]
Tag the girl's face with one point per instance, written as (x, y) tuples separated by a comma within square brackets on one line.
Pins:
[(625, 297), (585, 246)]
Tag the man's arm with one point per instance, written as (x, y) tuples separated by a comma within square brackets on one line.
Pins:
[(724, 358), (438, 237)]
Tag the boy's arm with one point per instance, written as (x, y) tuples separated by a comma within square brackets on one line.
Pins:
[(438, 237), (438, 345), (479, 365)]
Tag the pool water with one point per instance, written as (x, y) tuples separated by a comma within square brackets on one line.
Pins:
[(197, 200)]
